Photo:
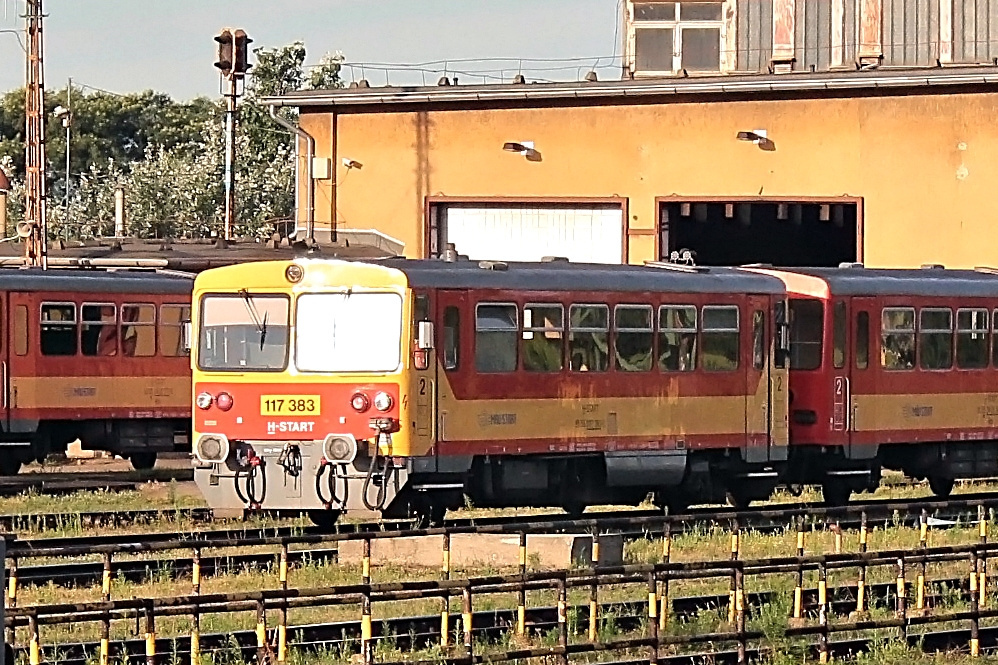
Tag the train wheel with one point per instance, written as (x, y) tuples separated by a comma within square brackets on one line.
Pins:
[(835, 492), (324, 519), (9, 465), (143, 461), (941, 486)]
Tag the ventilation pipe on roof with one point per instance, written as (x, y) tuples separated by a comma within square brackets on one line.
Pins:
[(310, 185)]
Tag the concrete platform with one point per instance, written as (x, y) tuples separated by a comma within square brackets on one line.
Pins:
[(487, 550)]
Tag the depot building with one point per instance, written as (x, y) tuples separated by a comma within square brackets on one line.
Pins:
[(800, 156)]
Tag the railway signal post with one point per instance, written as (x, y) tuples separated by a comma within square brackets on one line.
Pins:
[(232, 63)]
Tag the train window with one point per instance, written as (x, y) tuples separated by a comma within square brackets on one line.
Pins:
[(720, 338), (862, 340), (58, 335), (138, 330), (839, 335), (495, 337), (677, 338), (971, 338), (99, 329), (935, 327), (758, 339), (543, 337), (634, 338), (994, 337), (452, 336), (897, 327), (171, 334), (588, 338), (21, 330), (806, 333)]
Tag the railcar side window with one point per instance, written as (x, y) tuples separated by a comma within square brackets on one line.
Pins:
[(171, 334), (758, 339), (839, 335), (99, 330), (971, 338), (138, 330), (543, 338), (21, 330), (634, 338), (588, 338), (806, 332), (58, 329), (994, 338), (452, 336), (495, 338), (935, 327), (897, 327), (720, 338), (677, 338), (862, 340)]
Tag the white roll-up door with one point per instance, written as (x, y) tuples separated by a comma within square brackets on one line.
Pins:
[(584, 234)]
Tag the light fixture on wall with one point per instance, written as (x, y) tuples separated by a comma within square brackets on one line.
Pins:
[(352, 163), (755, 136), (525, 148)]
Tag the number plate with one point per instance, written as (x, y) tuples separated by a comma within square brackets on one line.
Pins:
[(290, 405)]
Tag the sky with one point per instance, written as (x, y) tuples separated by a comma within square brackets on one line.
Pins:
[(166, 45)]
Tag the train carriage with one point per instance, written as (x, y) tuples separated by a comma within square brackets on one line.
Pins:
[(95, 355), (405, 386), (892, 369)]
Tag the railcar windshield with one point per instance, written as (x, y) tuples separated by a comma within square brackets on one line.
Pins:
[(349, 332), (244, 332), (806, 325)]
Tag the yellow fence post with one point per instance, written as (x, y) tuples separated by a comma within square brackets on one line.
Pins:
[(466, 616), (666, 607), (975, 607), (735, 553), (799, 587), (196, 614), (105, 628), (594, 593), (923, 534), (365, 626), (653, 618), (282, 628), (521, 608), (34, 648), (823, 612), (261, 633), (861, 583), (982, 587), (150, 634), (445, 599)]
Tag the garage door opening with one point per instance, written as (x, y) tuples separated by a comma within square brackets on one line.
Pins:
[(584, 232), (788, 234)]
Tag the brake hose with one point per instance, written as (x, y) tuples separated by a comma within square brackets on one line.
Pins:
[(336, 472), (382, 495), (249, 498), (318, 484)]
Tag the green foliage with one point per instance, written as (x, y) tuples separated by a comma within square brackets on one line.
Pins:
[(167, 156)]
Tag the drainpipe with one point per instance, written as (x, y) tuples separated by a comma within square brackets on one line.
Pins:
[(310, 187)]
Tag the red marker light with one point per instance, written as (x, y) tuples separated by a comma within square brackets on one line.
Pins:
[(223, 401), (360, 403)]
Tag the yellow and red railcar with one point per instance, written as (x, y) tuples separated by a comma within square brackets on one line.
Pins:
[(892, 369), (95, 355), (405, 386)]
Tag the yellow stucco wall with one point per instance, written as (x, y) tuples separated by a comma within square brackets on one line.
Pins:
[(926, 166)]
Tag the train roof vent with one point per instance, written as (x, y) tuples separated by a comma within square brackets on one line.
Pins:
[(665, 265), (987, 270), (499, 266), (933, 266), (851, 264), (554, 259)]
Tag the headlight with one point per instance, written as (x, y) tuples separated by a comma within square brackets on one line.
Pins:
[(383, 402), (339, 449), (212, 448), (204, 400), (224, 401)]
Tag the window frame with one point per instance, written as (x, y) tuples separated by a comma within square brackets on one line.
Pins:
[(154, 324), (160, 324), (534, 329), (986, 331), (704, 330), (677, 25), (650, 330), (920, 351), (114, 324), (913, 331), (75, 323), (515, 332), (448, 367), (606, 330), (694, 330)]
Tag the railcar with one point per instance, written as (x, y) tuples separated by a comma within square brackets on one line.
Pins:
[(95, 355), (892, 369), (407, 386)]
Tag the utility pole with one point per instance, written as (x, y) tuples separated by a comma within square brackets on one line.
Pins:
[(233, 62), (36, 247)]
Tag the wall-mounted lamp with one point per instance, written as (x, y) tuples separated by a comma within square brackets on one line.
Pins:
[(525, 148), (755, 136), (352, 163)]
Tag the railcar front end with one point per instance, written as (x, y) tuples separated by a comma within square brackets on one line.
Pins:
[(300, 386)]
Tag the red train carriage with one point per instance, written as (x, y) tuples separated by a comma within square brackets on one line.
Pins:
[(895, 369), (93, 355), (418, 383)]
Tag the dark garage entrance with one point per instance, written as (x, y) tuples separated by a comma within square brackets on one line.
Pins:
[(781, 233)]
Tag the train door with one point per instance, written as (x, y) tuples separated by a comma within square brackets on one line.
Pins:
[(20, 362), (863, 328), (7, 325), (450, 309), (758, 394), (779, 380), (424, 374)]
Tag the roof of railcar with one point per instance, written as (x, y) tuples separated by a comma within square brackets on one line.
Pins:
[(567, 276), (904, 282), (94, 281)]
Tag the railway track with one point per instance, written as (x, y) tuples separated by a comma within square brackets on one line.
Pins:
[(67, 483), (423, 632)]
